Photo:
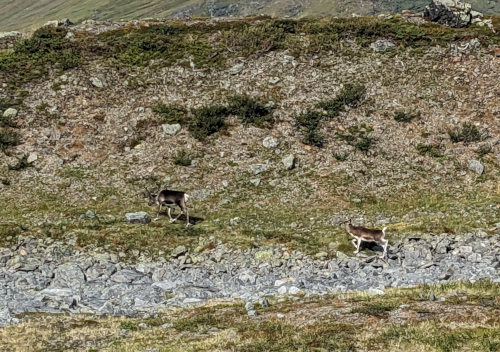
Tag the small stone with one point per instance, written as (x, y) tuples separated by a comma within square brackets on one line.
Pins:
[(321, 255), (382, 45), (237, 68), (282, 290), (249, 306), (432, 297), (274, 80), (476, 166), (96, 82), (288, 162), (140, 217), (167, 325), (270, 142), (171, 130), (178, 251), (375, 291), (258, 168), (252, 313), (90, 214), (293, 290), (10, 113), (255, 182), (143, 325), (264, 303), (32, 158), (264, 255)]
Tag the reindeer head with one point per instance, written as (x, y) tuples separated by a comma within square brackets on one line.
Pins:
[(151, 197)]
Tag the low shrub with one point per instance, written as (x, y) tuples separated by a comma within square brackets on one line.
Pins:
[(467, 133), (207, 121), (8, 138), (171, 113), (309, 122), (358, 137), (402, 116), (429, 149), (182, 158), (350, 95), (249, 110)]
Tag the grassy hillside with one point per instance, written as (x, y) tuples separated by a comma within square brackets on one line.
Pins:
[(27, 16), (386, 138)]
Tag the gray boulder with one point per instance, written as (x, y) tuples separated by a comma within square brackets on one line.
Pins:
[(10, 113), (140, 217), (270, 142), (288, 162), (171, 130), (382, 45), (452, 13), (476, 166)]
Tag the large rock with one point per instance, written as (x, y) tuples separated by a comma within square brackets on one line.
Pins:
[(10, 113), (271, 142), (140, 217), (171, 130), (476, 166), (452, 13)]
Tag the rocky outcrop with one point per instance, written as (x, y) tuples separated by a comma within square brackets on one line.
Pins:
[(452, 13), (8, 39), (39, 275)]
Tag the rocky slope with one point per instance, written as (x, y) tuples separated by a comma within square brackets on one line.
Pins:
[(45, 276), (278, 129)]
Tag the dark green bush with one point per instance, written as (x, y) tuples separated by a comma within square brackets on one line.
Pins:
[(358, 137), (468, 133), (182, 158), (309, 122), (402, 116), (340, 156), (8, 138), (171, 113), (249, 110), (429, 149), (207, 121), (350, 95)]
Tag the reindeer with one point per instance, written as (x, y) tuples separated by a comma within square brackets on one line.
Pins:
[(170, 199), (368, 235)]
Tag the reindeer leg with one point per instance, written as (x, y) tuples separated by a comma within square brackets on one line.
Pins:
[(385, 243), (178, 216), (169, 216), (357, 247), (187, 218), (354, 243), (158, 213)]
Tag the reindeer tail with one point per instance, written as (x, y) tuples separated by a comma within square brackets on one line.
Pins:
[(186, 197), (383, 230)]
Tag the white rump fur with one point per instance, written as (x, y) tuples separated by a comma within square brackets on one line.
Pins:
[(186, 197)]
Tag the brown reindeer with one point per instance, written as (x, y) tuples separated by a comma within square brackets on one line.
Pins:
[(171, 199), (368, 235)]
